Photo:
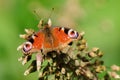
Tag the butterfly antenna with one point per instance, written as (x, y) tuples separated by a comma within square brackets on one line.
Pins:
[(41, 22), (51, 13), (49, 20), (36, 13)]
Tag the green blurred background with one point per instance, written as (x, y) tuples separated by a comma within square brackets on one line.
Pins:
[(98, 18)]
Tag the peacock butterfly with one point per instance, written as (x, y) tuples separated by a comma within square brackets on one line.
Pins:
[(47, 39)]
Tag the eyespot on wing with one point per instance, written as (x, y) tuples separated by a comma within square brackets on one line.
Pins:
[(27, 47)]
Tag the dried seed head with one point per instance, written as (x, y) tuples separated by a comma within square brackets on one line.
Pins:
[(100, 54), (89, 64), (81, 47), (114, 75), (95, 50), (54, 64), (40, 74), (24, 59), (89, 74), (20, 59), (98, 62), (63, 71), (68, 76), (31, 68), (29, 31), (77, 63), (77, 71), (115, 68), (82, 64), (20, 47), (100, 68), (57, 74), (80, 37), (26, 72), (83, 41), (50, 69), (82, 33), (92, 54), (24, 36)]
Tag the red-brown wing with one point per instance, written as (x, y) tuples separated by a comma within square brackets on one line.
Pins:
[(38, 40), (60, 36)]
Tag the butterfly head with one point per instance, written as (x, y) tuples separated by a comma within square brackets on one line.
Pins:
[(45, 24)]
